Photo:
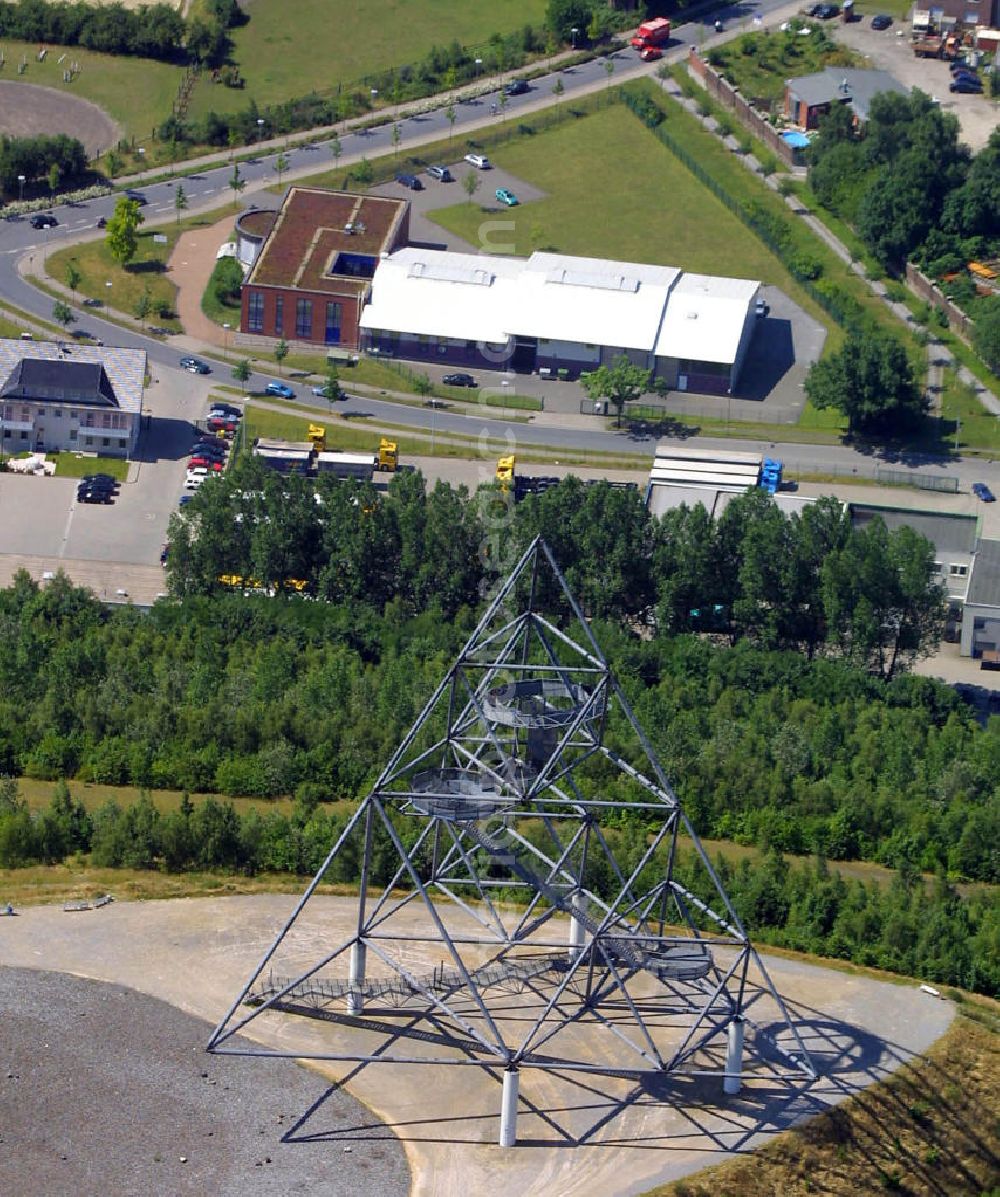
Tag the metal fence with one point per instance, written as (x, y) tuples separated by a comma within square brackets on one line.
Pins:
[(945, 483)]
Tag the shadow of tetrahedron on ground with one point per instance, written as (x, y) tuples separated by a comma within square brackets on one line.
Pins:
[(496, 924)]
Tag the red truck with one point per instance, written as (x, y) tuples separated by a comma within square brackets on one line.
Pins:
[(652, 33)]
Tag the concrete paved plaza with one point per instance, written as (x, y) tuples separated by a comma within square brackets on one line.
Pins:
[(577, 1134)]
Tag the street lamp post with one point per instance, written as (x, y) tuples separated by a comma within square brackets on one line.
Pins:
[(479, 63), (141, 151), (260, 129), (225, 329), (20, 188), (374, 95), (575, 33)]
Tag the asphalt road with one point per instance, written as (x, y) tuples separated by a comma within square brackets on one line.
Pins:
[(209, 188)]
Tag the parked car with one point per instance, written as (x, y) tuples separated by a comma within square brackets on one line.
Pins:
[(650, 53), (760, 308), (281, 389), (982, 491), (193, 481), (95, 494), (516, 87), (184, 500), (506, 197), (43, 220), (404, 179), (209, 464), (881, 20), (100, 480), (102, 222), (210, 452), (827, 12), (194, 365), (228, 409), (217, 424), (164, 554), (459, 380), (136, 197), (959, 66), (966, 86), (441, 173), (479, 161)]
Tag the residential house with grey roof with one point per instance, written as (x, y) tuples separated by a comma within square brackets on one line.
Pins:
[(62, 397), (810, 97)]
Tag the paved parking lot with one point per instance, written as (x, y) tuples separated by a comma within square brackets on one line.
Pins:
[(890, 51), (41, 517)]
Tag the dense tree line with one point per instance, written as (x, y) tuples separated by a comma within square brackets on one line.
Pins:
[(257, 696), (908, 927), (808, 582), (153, 31), (907, 184), (37, 158)]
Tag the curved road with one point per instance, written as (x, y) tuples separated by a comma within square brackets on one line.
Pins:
[(208, 188)]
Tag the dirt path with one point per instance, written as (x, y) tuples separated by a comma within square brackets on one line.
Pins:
[(190, 267)]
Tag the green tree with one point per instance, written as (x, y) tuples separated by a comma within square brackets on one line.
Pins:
[(397, 137), (620, 383), (986, 332), (470, 183), (363, 173), (63, 313), (143, 306), (331, 384), (451, 116), (112, 163), (242, 371), (121, 233), (336, 149), (558, 87), (180, 201), (563, 16), (280, 352), (870, 380), (280, 166), (236, 183), (73, 275)]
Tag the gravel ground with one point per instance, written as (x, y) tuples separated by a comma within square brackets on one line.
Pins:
[(104, 1090)]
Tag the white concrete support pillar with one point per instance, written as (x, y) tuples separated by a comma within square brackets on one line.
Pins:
[(359, 958), (508, 1107), (733, 1081), (577, 928)]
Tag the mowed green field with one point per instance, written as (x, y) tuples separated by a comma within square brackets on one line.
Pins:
[(135, 92), (615, 192), (315, 45)]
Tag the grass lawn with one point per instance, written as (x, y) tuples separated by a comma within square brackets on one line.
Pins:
[(146, 273), (976, 427), (759, 63), (333, 43), (73, 465), (136, 92), (626, 220)]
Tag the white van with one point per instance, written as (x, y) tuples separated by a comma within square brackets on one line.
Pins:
[(479, 161)]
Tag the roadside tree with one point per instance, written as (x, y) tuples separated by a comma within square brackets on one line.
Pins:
[(620, 383), (871, 381), (121, 236), (63, 313)]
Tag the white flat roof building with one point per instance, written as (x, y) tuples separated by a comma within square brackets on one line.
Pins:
[(554, 310)]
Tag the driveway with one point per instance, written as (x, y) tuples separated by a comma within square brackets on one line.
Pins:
[(890, 51)]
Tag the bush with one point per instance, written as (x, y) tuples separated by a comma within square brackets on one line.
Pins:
[(226, 281)]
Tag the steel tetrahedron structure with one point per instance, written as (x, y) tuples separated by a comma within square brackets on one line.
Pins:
[(487, 870)]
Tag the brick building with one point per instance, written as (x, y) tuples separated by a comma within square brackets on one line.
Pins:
[(312, 275)]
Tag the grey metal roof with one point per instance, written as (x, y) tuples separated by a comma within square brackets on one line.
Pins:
[(125, 369), (846, 85), (984, 584), (948, 532), (61, 381)]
